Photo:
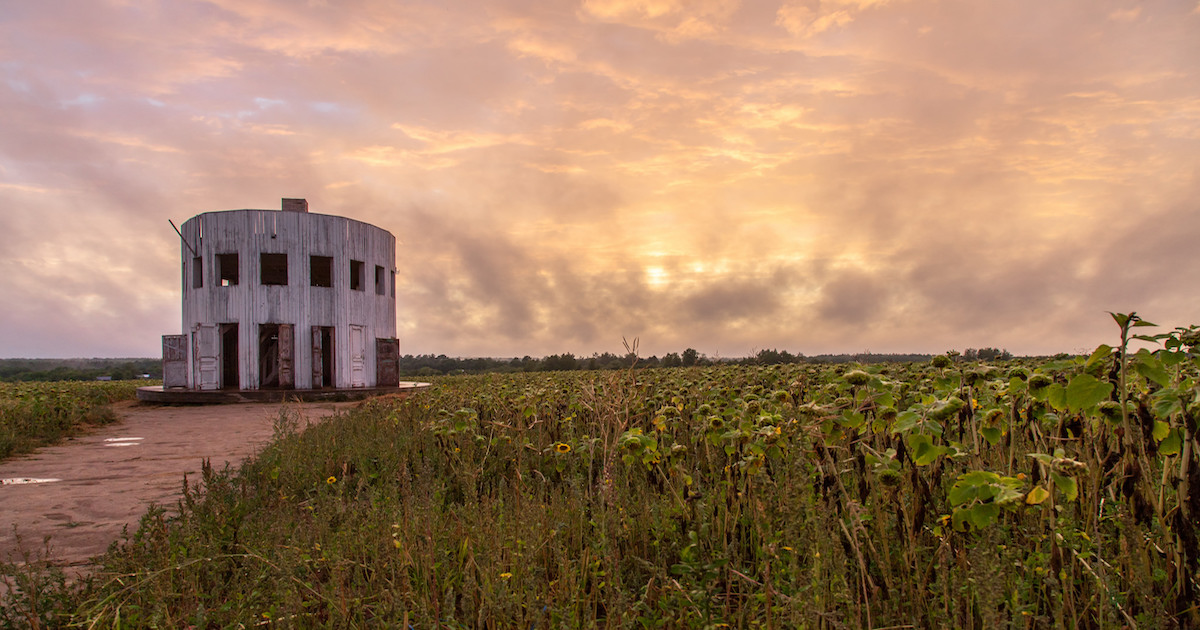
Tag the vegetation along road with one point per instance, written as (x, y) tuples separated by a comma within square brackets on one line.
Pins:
[(940, 493)]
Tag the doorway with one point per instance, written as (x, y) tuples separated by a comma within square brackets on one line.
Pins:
[(275, 356), (322, 357), (230, 374)]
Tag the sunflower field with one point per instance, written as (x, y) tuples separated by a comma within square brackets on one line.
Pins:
[(1022, 493), (35, 414)]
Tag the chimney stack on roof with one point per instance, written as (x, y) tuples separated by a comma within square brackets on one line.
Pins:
[(295, 205)]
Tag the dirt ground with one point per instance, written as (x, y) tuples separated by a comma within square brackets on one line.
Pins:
[(104, 481)]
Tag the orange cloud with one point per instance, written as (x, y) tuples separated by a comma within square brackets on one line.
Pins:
[(818, 176)]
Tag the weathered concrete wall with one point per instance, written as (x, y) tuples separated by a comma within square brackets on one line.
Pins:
[(358, 316)]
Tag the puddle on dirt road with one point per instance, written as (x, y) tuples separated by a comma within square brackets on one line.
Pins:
[(17, 481), (125, 441)]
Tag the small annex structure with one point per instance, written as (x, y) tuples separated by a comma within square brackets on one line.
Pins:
[(284, 300)]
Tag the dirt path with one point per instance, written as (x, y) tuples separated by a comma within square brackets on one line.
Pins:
[(105, 480)]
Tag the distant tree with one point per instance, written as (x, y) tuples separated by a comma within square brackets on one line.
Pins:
[(610, 361), (773, 357), (690, 357), (986, 354), (994, 354), (560, 362), (672, 359)]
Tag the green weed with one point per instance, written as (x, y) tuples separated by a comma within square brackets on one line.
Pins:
[(36, 414)]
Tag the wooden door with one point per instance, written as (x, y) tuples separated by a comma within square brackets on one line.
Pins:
[(287, 362), (207, 351), (175, 360), (318, 372), (387, 362), (358, 356)]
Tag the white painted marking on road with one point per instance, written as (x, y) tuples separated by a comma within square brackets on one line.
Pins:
[(128, 439)]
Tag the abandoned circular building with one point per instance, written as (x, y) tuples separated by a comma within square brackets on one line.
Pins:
[(284, 299)]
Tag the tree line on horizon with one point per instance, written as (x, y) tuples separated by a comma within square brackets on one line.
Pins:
[(433, 365), (44, 370)]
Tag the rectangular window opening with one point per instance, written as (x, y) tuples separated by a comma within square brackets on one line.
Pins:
[(197, 272), (380, 281), (356, 275), (393, 283), (274, 269), (320, 271), (227, 267)]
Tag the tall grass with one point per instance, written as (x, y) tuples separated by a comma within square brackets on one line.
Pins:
[(941, 495)]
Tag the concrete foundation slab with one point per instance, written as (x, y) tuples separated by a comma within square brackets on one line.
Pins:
[(174, 396)]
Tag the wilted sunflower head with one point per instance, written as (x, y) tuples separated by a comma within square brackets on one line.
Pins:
[(941, 361), (1039, 382), (812, 410), (940, 411), (857, 378), (1020, 373), (1068, 466), (889, 477), (1110, 410), (716, 423)]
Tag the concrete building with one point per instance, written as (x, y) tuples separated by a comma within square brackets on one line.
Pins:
[(284, 299)]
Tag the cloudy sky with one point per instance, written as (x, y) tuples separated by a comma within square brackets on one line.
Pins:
[(729, 175)]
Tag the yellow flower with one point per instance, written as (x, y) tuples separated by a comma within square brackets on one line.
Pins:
[(505, 575), (331, 480), (562, 447)]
